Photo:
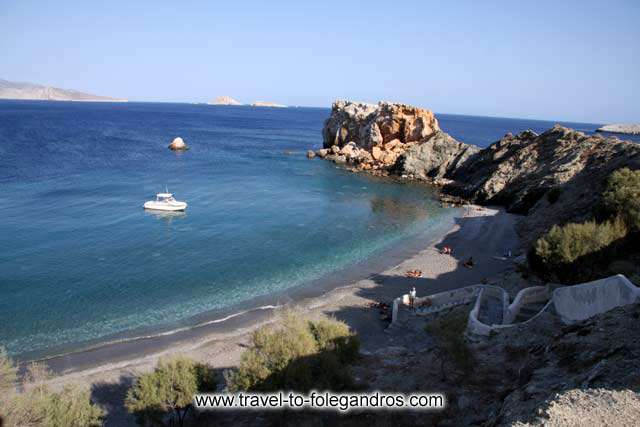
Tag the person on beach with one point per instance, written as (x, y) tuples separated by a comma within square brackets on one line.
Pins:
[(412, 298), (469, 263)]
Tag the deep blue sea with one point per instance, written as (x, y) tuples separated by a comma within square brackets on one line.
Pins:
[(81, 261)]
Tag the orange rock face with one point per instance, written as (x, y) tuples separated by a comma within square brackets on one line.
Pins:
[(376, 153), (383, 130)]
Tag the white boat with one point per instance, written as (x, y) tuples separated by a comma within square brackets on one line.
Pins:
[(165, 202)]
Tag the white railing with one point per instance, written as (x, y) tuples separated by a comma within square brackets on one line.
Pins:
[(571, 303)]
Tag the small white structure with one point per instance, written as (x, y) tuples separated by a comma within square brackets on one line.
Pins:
[(492, 312), (580, 302), (165, 202)]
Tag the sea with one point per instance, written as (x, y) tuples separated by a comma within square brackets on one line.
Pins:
[(81, 262)]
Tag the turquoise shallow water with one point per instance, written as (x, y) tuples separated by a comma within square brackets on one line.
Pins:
[(80, 260)]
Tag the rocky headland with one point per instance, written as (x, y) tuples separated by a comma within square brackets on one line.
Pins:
[(623, 128), (541, 372), (554, 177), (30, 91), (224, 100)]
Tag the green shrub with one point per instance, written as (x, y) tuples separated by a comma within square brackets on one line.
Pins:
[(300, 355), (8, 373), (169, 389), (578, 252), (72, 408), (622, 196), (564, 245), (36, 405), (335, 337), (448, 333)]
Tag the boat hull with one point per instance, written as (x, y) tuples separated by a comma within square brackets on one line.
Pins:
[(158, 206)]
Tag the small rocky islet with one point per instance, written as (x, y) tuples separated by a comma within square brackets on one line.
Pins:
[(224, 100), (178, 144), (622, 128)]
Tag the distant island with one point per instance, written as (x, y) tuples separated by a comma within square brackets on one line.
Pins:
[(20, 90), (224, 100), (626, 128), (267, 104)]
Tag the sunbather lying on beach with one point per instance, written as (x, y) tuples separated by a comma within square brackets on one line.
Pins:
[(446, 250), (413, 273)]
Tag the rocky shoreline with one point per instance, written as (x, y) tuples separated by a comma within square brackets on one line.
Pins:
[(552, 178)]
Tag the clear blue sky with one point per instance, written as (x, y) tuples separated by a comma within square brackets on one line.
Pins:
[(562, 60)]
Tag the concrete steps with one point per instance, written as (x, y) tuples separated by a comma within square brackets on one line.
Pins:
[(396, 326), (528, 311), (491, 310)]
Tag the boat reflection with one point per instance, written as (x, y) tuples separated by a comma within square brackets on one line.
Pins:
[(166, 216)]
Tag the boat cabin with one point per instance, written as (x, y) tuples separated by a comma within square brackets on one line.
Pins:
[(165, 197)]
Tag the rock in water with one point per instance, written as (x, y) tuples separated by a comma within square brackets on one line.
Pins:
[(322, 153), (388, 136), (178, 145)]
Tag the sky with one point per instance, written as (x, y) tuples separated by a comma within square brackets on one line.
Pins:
[(556, 60)]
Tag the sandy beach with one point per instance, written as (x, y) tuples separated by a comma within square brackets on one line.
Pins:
[(479, 232)]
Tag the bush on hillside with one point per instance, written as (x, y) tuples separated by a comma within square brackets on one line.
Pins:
[(8, 373), (566, 244), (335, 337), (451, 344), (72, 408), (168, 390), (36, 405), (579, 252), (622, 197), (300, 355)]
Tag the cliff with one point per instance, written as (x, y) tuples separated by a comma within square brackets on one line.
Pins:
[(554, 177), (388, 137), (16, 90), (369, 125), (224, 100)]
